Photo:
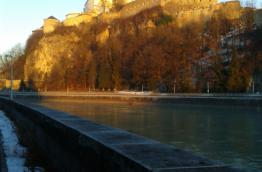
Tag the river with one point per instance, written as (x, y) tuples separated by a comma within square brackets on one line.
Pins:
[(229, 134)]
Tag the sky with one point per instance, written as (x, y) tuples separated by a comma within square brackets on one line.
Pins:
[(19, 17)]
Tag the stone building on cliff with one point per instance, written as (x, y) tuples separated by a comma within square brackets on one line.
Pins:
[(184, 12), (101, 6), (50, 24)]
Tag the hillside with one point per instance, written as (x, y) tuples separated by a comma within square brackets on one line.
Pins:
[(150, 49)]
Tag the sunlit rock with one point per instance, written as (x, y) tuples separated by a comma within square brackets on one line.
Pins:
[(50, 24)]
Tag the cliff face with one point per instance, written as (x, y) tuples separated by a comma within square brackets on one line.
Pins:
[(69, 48), (50, 49)]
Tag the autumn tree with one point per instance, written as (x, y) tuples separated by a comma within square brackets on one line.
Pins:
[(238, 76), (92, 74), (104, 72)]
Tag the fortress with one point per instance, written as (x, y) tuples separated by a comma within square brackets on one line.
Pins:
[(101, 6), (184, 11)]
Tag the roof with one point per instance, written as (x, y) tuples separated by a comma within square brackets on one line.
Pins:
[(52, 17)]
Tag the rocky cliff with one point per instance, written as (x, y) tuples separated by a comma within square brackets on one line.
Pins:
[(91, 50)]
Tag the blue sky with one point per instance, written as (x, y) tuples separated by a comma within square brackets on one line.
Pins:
[(19, 17)]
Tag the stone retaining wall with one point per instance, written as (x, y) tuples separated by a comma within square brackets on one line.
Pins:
[(70, 143), (3, 167)]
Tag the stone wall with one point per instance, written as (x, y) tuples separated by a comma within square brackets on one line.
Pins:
[(98, 6), (193, 16), (72, 15), (50, 25), (69, 143), (185, 12), (136, 7), (188, 4), (173, 6), (231, 9), (77, 20)]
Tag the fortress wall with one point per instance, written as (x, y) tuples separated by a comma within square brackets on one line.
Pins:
[(136, 7), (178, 5), (193, 16), (72, 15), (75, 21), (98, 6), (174, 7), (185, 12), (202, 11), (231, 9), (50, 25)]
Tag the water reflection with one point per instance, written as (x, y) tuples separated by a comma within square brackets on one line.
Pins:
[(229, 134)]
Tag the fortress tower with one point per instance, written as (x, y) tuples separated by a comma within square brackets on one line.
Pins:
[(50, 24), (101, 6), (98, 6)]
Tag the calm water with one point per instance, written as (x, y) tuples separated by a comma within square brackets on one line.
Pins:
[(229, 134)]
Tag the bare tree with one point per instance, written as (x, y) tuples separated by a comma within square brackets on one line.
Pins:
[(9, 57)]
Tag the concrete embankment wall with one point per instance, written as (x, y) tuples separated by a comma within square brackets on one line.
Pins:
[(3, 167), (251, 100), (223, 101), (70, 143), (194, 99)]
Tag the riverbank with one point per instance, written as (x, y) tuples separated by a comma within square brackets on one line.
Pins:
[(251, 100)]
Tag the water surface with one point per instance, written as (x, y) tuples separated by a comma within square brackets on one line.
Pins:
[(229, 134)]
